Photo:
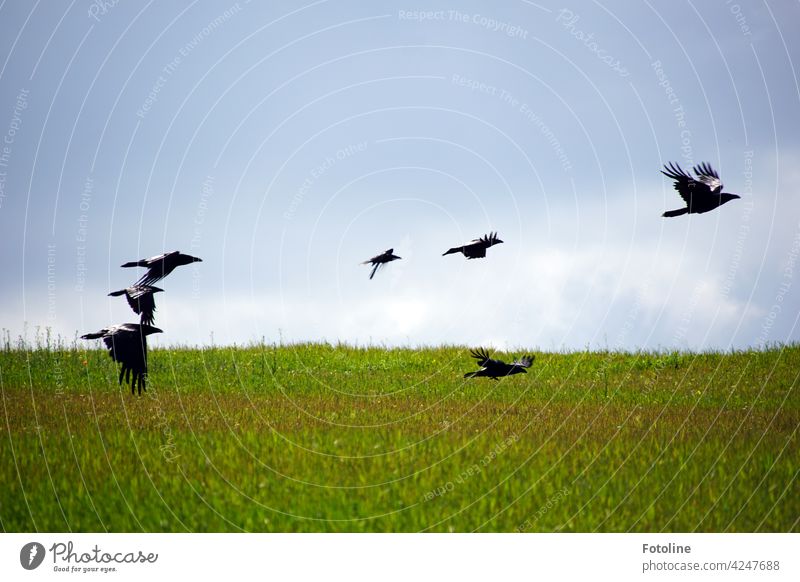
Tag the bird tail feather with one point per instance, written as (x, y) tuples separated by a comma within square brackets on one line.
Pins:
[(117, 293), (451, 251), (142, 263), (471, 375), (671, 213)]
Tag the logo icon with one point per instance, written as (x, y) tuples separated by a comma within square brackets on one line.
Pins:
[(31, 555)]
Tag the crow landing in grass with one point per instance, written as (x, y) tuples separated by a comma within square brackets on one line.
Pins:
[(140, 298), (701, 194), (476, 249), (161, 266), (497, 368), (386, 256), (127, 344)]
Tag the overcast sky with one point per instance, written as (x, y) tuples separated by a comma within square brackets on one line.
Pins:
[(284, 144)]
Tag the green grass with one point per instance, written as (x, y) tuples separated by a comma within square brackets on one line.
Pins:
[(336, 438)]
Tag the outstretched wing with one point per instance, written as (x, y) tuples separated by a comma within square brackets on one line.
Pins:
[(489, 239), (708, 176), (686, 186), (524, 362), (483, 358)]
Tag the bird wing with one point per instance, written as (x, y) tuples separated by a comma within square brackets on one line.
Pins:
[(374, 269), (686, 186), (161, 257), (524, 361), (142, 300), (708, 176), (488, 239), (483, 358)]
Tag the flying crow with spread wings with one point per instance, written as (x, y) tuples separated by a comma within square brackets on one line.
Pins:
[(701, 194), (127, 344), (161, 266), (476, 249), (140, 298), (385, 257), (493, 369)]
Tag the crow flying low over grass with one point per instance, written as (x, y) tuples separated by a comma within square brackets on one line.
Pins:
[(701, 194), (140, 298), (127, 344), (476, 249), (161, 266), (386, 256), (497, 368)]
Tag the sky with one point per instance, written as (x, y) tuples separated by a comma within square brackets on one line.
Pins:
[(284, 143)]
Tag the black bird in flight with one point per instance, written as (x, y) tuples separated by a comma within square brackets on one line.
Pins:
[(141, 300), (383, 258), (127, 344), (497, 368), (161, 266), (701, 194), (476, 249)]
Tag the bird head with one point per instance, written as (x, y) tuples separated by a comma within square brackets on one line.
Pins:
[(728, 197), (149, 329), (187, 259)]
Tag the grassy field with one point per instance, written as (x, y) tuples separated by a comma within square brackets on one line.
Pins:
[(335, 438)]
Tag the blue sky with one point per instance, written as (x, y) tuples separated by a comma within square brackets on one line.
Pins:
[(286, 143)]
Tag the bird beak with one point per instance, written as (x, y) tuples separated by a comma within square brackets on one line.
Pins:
[(198, 260)]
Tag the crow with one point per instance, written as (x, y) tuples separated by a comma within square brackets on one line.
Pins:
[(141, 300), (476, 249), (701, 194), (494, 368), (161, 266), (383, 258), (127, 344)]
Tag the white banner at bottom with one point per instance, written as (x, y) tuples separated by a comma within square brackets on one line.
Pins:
[(415, 557)]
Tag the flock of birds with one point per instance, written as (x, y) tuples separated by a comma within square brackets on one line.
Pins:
[(127, 342)]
